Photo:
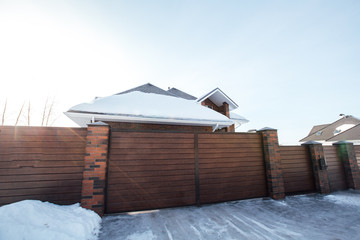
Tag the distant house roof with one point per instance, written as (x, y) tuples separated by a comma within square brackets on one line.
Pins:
[(350, 134), (218, 97), (346, 128), (181, 94)]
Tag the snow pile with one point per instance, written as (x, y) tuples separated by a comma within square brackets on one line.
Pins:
[(349, 198), (32, 219)]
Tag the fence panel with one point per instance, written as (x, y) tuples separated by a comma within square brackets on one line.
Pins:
[(296, 169), (149, 170), (231, 167), (357, 152), (336, 170), (41, 163)]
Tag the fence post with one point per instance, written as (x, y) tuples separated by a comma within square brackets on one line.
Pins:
[(275, 181), (94, 175), (319, 166), (347, 156)]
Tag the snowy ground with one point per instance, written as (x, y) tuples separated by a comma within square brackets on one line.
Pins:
[(335, 216), (36, 220)]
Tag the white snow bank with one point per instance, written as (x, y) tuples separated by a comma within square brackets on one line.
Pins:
[(346, 198), (32, 219)]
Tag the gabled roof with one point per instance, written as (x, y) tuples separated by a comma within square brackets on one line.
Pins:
[(317, 128), (218, 97), (327, 132), (181, 94), (148, 88)]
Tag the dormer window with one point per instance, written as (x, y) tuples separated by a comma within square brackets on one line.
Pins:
[(336, 131), (319, 133)]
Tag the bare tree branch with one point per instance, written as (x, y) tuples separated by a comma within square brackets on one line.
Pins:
[(28, 114), (20, 113), (3, 115), (50, 111), (44, 112)]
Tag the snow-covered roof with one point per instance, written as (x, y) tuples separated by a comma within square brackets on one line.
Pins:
[(136, 106), (219, 97)]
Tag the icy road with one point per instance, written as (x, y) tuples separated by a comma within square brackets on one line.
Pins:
[(334, 216)]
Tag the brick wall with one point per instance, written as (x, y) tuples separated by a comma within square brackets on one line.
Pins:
[(95, 170)]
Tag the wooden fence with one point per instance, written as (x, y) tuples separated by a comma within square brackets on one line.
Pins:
[(296, 169), (357, 152), (41, 163), (147, 170), (336, 170)]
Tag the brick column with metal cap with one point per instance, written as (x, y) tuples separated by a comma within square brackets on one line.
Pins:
[(319, 166), (275, 181), (347, 156), (94, 175)]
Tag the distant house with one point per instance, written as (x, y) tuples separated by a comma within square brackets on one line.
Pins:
[(148, 107), (346, 128)]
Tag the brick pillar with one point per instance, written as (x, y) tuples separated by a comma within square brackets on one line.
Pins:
[(347, 156), (275, 181), (319, 166), (94, 175)]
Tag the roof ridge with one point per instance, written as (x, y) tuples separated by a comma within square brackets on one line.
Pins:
[(329, 125)]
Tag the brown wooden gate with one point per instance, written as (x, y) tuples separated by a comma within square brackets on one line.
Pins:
[(231, 167), (296, 169), (149, 170), (336, 170)]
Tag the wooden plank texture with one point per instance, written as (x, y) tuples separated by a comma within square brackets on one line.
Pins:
[(43, 163), (231, 167), (357, 152), (296, 169), (335, 169), (150, 170)]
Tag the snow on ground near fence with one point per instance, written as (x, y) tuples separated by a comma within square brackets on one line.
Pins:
[(32, 219), (334, 216)]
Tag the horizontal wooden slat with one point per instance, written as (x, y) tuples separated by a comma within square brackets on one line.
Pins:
[(129, 178), (41, 177), (40, 184), (150, 135), (34, 191), (69, 198), (232, 195), (35, 170), (115, 151), (231, 150), (121, 206), (120, 141), (228, 136), (40, 163)]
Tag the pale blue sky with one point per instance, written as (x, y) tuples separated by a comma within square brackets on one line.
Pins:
[(288, 64)]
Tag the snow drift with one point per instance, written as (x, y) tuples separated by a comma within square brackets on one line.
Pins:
[(33, 219)]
